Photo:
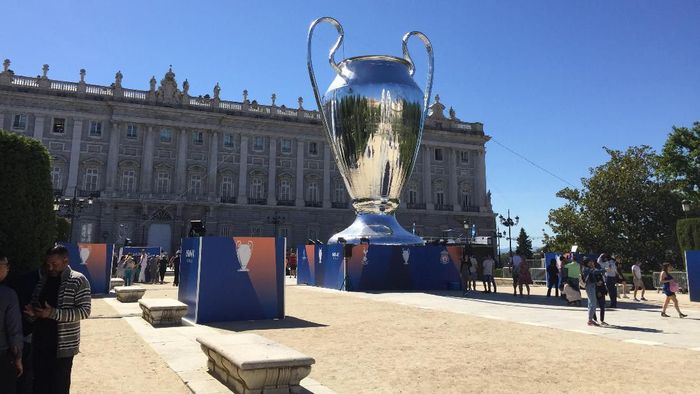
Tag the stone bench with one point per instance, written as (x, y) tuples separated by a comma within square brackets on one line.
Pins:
[(114, 282), (129, 293), (162, 311), (251, 364)]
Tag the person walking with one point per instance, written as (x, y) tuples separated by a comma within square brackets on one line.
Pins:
[(608, 264), (670, 286), (293, 264), (524, 277), (143, 267), (637, 280), (473, 271), (176, 268), (487, 274), (621, 277), (60, 300), (464, 274), (515, 262), (552, 278), (162, 267), (153, 268), (11, 338), (129, 265), (593, 279)]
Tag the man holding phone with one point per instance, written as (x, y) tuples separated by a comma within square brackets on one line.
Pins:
[(60, 300)]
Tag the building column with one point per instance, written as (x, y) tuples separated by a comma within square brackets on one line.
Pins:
[(454, 187), (74, 156), (112, 157), (39, 127), (272, 173), (181, 164), (212, 174), (326, 175), (147, 162), (243, 172), (481, 177), (300, 174), (2, 121), (427, 186)]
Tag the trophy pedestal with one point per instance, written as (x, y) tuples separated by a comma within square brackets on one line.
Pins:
[(379, 229)]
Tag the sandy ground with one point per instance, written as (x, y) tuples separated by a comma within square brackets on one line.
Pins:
[(366, 346), (113, 359)]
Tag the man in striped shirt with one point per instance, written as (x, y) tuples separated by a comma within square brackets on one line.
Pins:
[(60, 300)]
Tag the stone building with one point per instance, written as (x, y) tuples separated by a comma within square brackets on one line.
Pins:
[(161, 157)]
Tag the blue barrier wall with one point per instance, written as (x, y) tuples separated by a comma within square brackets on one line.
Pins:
[(239, 278), (692, 268)]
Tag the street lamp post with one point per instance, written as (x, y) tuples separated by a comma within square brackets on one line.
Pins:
[(275, 220), (467, 244), (509, 222), (71, 207), (498, 236)]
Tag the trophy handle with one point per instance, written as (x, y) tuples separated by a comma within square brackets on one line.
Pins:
[(331, 57), (412, 67)]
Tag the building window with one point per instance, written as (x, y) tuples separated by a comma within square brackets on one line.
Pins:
[(466, 198), (464, 156), (163, 182), (255, 230), (412, 196), (132, 131), (438, 154), (228, 140), (59, 125), (129, 181), (258, 144), (226, 186), (95, 128), (196, 184), (313, 148), (87, 231), (257, 189), (339, 192), (286, 146), (197, 137), (19, 122), (312, 191), (56, 178), (285, 190), (226, 230), (166, 136), (92, 178)]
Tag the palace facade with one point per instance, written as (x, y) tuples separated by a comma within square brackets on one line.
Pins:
[(156, 159)]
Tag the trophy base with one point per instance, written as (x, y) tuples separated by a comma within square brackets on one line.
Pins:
[(378, 229)]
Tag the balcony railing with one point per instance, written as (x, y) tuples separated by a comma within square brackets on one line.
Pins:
[(339, 205), (257, 201), (470, 208), (87, 193), (415, 206), (286, 203), (443, 207), (228, 199), (314, 204)]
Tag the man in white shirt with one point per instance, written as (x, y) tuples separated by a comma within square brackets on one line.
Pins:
[(637, 280), (515, 266), (608, 264), (487, 277)]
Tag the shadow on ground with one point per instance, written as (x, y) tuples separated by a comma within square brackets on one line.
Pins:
[(288, 322), (632, 328)]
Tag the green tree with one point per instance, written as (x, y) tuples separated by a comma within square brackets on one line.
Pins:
[(524, 244), (62, 229), (28, 222), (624, 207), (680, 161)]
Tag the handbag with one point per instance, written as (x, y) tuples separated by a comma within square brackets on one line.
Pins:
[(673, 286)]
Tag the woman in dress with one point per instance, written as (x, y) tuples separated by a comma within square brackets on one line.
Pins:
[(524, 277), (669, 288), (143, 265)]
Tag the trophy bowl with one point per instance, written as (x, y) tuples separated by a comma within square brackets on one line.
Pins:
[(373, 114)]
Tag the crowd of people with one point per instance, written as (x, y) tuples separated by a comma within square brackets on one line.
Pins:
[(147, 268), (40, 316)]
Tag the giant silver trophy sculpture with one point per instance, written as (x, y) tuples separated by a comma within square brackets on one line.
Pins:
[(373, 113)]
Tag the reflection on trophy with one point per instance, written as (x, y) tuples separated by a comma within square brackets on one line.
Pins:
[(444, 257), (320, 256), (244, 252), (405, 253), (84, 254), (364, 258), (373, 113)]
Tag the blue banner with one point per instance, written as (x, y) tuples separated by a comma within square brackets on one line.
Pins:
[(187, 291), (692, 268)]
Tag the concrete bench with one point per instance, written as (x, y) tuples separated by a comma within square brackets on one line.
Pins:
[(129, 293), (114, 282), (251, 364), (162, 311)]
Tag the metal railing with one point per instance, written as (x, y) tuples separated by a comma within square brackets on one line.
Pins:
[(679, 276)]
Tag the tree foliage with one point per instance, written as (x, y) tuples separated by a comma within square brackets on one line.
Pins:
[(688, 231), (624, 207), (524, 244), (28, 223), (680, 161)]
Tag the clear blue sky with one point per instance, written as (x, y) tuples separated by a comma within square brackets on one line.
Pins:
[(553, 80)]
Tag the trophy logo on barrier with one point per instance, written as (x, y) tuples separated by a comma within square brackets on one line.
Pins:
[(373, 114), (405, 253), (244, 251), (444, 257), (320, 256), (364, 257), (84, 254)]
